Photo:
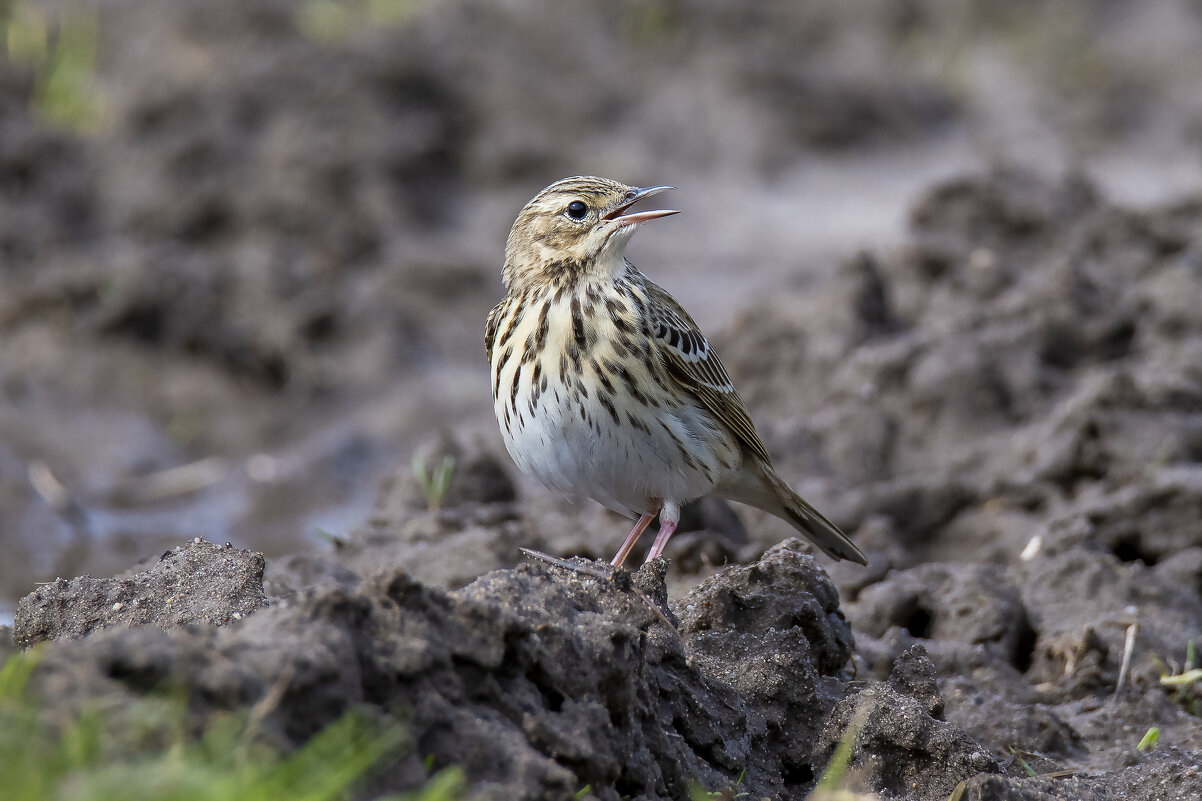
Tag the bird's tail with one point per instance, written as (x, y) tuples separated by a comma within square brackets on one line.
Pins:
[(763, 488), (814, 525)]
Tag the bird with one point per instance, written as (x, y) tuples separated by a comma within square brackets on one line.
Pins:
[(605, 388)]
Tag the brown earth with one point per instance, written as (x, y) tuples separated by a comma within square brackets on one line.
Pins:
[(260, 289)]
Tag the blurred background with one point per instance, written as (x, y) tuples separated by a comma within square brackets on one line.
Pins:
[(247, 246)]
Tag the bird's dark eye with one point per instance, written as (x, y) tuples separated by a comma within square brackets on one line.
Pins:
[(577, 210)]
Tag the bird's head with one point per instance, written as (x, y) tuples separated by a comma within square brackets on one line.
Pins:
[(575, 229)]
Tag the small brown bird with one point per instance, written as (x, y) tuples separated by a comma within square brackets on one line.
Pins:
[(603, 385)]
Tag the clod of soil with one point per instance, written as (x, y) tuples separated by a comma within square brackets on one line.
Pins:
[(193, 584), (538, 680)]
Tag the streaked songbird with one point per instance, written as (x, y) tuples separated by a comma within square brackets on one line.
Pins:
[(605, 388)]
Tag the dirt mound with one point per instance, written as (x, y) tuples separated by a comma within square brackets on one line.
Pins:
[(539, 680), (1008, 410), (199, 583)]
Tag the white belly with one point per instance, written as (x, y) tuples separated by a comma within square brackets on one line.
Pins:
[(620, 466)]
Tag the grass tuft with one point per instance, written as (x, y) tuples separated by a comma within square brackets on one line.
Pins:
[(1027, 769), (60, 51), (1185, 688), (332, 22), (144, 751), (434, 484)]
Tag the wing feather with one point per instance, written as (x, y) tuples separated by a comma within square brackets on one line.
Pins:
[(696, 367)]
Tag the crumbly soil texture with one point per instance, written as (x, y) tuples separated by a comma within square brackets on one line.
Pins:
[(262, 287)]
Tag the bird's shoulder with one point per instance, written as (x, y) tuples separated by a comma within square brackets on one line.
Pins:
[(693, 363)]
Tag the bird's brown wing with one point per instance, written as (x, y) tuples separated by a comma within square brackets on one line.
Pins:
[(694, 365)]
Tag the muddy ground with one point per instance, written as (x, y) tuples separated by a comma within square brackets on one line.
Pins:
[(236, 310)]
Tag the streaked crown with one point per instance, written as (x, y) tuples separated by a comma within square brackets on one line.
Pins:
[(573, 229)]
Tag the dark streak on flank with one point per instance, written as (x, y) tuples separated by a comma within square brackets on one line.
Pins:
[(536, 388), (513, 388), (617, 315), (602, 376), (541, 329), (576, 357), (631, 385), (529, 354), (578, 334), (638, 423), (609, 407), (657, 377), (505, 357), (683, 452), (511, 312)]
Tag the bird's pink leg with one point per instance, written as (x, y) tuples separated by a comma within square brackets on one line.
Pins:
[(668, 519), (666, 530), (633, 537)]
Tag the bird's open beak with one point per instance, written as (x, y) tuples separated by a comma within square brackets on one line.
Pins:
[(634, 196)]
